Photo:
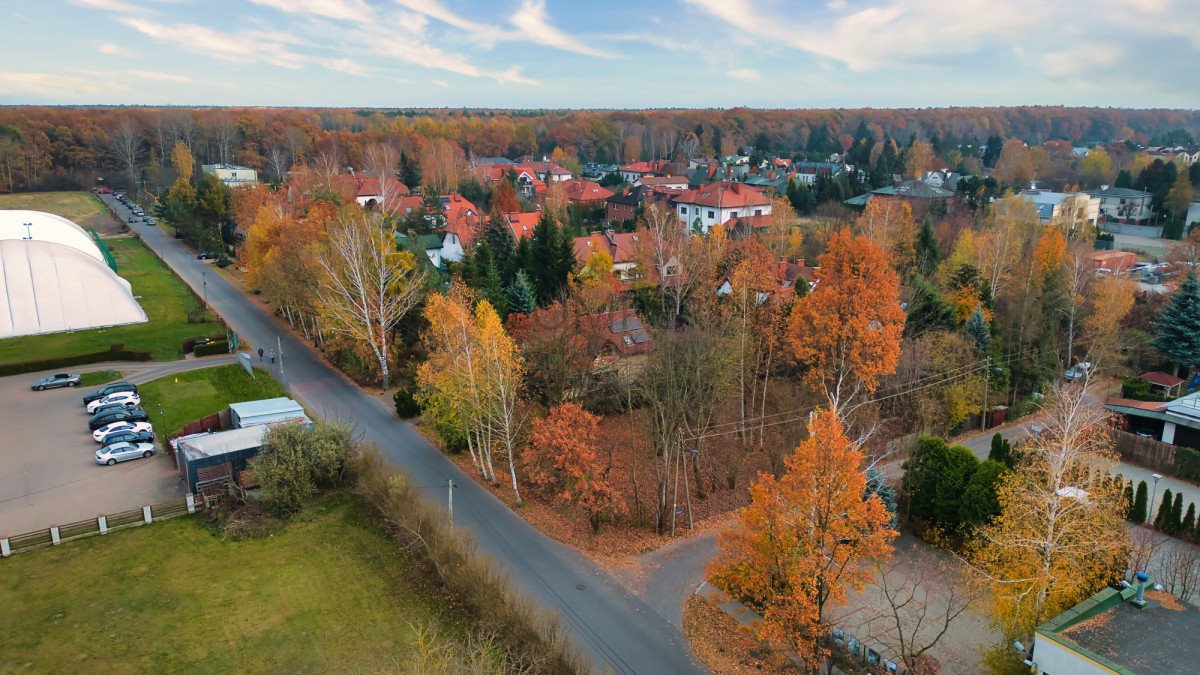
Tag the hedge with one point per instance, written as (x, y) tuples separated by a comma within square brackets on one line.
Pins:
[(190, 343), (211, 348), (1187, 463), (113, 353)]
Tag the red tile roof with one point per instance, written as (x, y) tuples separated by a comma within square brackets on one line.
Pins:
[(522, 224), (724, 194), (623, 247), (1151, 406), (1161, 379), (462, 217), (624, 330), (657, 166), (580, 190), (544, 167), (661, 181)]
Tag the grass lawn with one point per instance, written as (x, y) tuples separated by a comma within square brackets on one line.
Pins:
[(99, 377), (162, 295), (329, 592), (83, 208), (193, 394)]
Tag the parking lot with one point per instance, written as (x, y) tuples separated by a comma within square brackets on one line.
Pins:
[(49, 475)]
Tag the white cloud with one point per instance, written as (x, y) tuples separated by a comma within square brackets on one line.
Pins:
[(157, 76), (113, 49), (535, 26), (108, 5), (57, 86), (217, 45), (747, 74), (440, 83), (348, 66), (434, 9), (341, 10)]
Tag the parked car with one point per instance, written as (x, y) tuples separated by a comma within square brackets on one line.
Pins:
[(117, 427), (125, 398), (129, 437), (119, 452), (57, 380), (1077, 372), (132, 219), (205, 255), (107, 407), (110, 388), (121, 414)]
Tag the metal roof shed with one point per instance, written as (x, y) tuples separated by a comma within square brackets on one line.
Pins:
[(267, 411), (216, 458)]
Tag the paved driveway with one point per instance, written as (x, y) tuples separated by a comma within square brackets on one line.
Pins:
[(48, 474)]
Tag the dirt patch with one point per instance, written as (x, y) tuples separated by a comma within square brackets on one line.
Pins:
[(725, 646), (1167, 600)]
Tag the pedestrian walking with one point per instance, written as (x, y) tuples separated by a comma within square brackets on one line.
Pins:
[(260, 354), (272, 357)]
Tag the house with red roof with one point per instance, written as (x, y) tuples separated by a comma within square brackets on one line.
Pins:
[(666, 182), (585, 192), (547, 171), (620, 334), (522, 224), (630, 173), (717, 203), (458, 216), (627, 250)]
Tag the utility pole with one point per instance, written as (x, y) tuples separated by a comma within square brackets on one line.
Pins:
[(450, 499), (986, 376), (279, 348)]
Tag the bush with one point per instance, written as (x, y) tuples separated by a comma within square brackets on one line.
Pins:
[(223, 261), (1187, 463), (212, 348), (530, 640), (979, 503), (1138, 389), (296, 460), (113, 353), (406, 405), (1138, 514)]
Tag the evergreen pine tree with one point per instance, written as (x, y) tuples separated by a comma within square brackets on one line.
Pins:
[(927, 309), (1129, 500), (565, 261), (1001, 451), (410, 173), (1175, 521), (1189, 522), (928, 252), (520, 295), (1178, 328), (545, 249), (977, 328), (1124, 179), (1162, 516), (499, 237), (523, 260), (1138, 513), (486, 279)]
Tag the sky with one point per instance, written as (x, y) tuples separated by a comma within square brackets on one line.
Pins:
[(602, 54)]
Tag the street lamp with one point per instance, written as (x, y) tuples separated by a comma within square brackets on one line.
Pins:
[(1153, 494), (204, 282)]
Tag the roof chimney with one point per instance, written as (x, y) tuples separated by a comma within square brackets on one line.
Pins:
[(1140, 598)]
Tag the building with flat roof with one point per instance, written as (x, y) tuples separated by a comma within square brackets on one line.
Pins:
[(232, 175), (209, 462), (267, 411), (1119, 632)]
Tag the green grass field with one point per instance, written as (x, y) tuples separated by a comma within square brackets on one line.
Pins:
[(162, 295), (193, 394), (98, 377), (84, 208), (327, 593)]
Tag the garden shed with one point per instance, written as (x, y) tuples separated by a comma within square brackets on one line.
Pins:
[(267, 411), (210, 461)]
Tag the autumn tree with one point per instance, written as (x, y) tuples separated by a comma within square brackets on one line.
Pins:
[(805, 540), (182, 161), (920, 154), (366, 286), (1179, 197), (889, 224), (1096, 168), (125, 139), (443, 165), (1015, 164), (1061, 532), (563, 462), (846, 333), (1112, 298), (504, 198), (381, 161)]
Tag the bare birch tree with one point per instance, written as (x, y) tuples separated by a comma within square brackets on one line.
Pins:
[(367, 286), (126, 143), (381, 162)]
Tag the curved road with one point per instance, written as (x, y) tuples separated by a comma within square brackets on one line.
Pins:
[(619, 631)]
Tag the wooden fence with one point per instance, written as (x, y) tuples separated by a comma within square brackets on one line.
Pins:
[(100, 525), (1147, 452)]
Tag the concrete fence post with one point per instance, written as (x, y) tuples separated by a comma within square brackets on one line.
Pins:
[(146, 514), (5, 549), (191, 503), (54, 538), (102, 521)]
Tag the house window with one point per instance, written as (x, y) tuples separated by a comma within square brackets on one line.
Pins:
[(733, 214), (683, 210), (758, 212), (711, 214)]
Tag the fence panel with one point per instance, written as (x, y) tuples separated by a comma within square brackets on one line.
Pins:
[(169, 510), (125, 518), (82, 528), (1147, 452), (29, 540)]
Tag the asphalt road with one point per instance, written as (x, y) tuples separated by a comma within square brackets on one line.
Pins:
[(620, 632)]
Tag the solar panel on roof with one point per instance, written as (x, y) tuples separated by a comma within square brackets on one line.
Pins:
[(640, 336)]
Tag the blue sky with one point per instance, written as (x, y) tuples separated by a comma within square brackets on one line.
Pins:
[(610, 53)]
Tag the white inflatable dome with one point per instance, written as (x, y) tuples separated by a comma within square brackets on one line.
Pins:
[(47, 227)]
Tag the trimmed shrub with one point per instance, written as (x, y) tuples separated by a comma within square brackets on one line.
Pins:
[(979, 502), (113, 353), (1162, 515), (1001, 450), (212, 348), (406, 405), (1187, 463), (1140, 501)]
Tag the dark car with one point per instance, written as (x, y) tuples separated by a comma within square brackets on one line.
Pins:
[(122, 415), (205, 255), (57, 380), (129, 437), (111, 406), (110, 388)]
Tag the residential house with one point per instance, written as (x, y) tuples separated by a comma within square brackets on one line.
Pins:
[(597, 171), (232, 175), (919, 194), (627, 249), (717, 203), (522, 224), (369, 192), (585, 192), (439, 247), (1067, 210), (526, 181), (1123, 205), (807, 172), (942, 178), (621, 334), (709, 173), (1176, 422), (458, 215), (624, 205), (547, 171), (631, 172), (1136, 629), (1180, 154), (668, 182)]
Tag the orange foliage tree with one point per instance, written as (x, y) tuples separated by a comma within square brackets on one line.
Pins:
[(504, 198), (889, 224), (805, 540), (563, 462), (847, 331)]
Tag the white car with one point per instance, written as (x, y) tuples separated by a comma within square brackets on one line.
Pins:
[(119, 452), (116, 427), (125, 398)]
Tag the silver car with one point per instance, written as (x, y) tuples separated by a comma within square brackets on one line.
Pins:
[(119, 452)]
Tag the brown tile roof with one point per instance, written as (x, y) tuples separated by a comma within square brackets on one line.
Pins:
[(657, 166), (581, 190), (1161, 379), (1152, 406), (660, 181), (724, 194), (522, 224), (624, 330), (623, 247)]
